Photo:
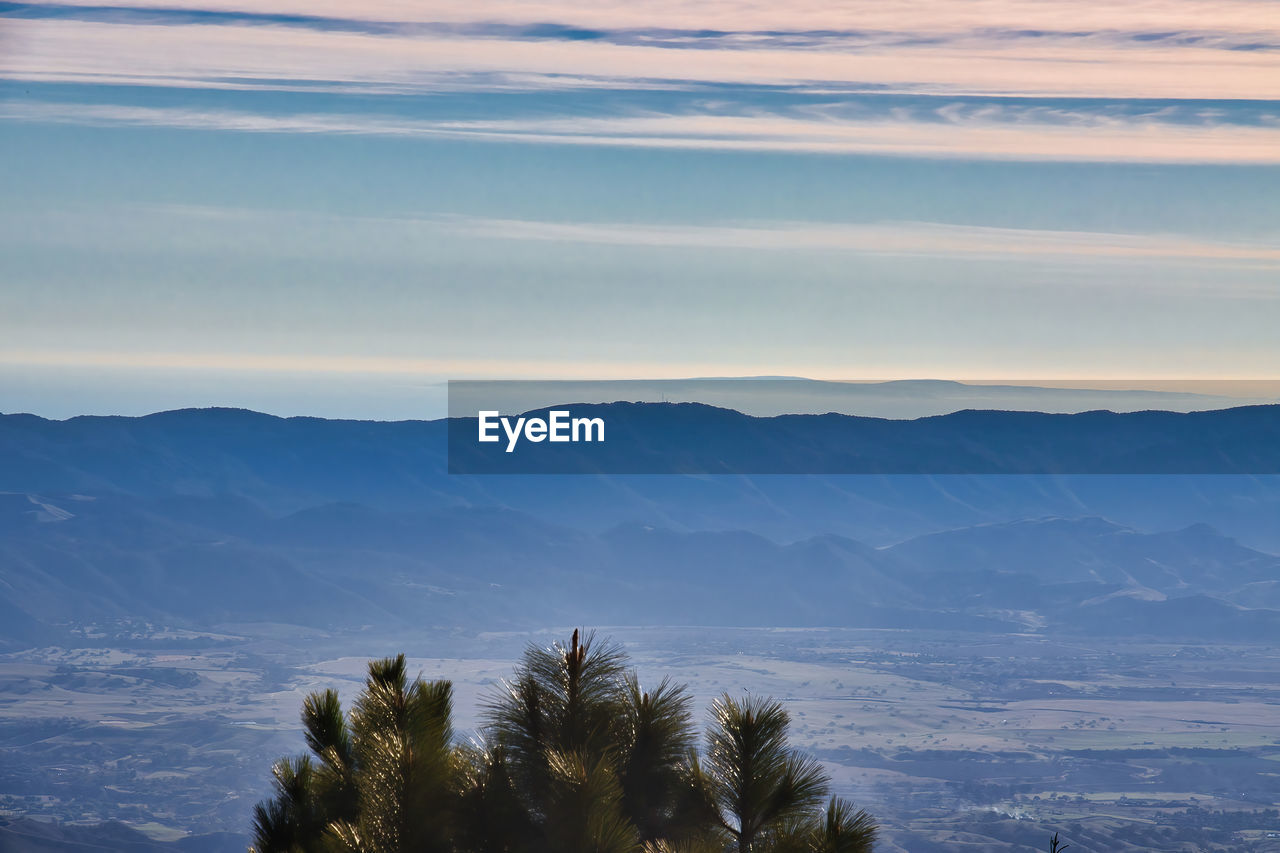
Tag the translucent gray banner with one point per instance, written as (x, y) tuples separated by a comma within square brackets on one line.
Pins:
[(796, 426)]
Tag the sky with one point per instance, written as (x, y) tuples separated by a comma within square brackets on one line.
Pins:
[(331, 208)]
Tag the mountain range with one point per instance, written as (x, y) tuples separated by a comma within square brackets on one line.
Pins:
[(766, 396), (205, 517)]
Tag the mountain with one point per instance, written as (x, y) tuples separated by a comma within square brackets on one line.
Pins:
[(693, 438), (234, 462), (345, 565), (1193, 560), (1091, 575), (201, 517), (766, 396)]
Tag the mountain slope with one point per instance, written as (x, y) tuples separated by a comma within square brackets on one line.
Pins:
[(346, 565)]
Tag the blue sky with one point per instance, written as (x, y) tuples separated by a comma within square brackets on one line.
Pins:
[(283, 206)]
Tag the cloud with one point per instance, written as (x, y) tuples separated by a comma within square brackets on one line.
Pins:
[(721, 36), (296, 233), (170, 362), (1080, 62), (909, 238), (1032, 134), (1162, 81), (929, 17)]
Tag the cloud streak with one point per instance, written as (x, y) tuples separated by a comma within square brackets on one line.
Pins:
[(930, 16), (700, 38), (188, 228), (906, 238), (1162, 81), (945, 132), (357, 365), (1157, 81), (995, 60)]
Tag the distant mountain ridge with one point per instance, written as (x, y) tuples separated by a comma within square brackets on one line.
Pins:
[(765, 396), (692, 438), (283, 465), (226, 449)]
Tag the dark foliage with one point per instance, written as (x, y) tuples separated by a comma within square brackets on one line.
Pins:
[(575, 757)]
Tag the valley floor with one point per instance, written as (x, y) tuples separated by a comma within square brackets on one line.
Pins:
[(954, 741)]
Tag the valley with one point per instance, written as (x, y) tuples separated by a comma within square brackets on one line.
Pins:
[(997, 738)]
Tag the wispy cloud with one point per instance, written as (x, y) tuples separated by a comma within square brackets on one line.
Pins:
[(931, 16), (911, 238), (947, 131), (1141, 74), (721, 36), (196, 228), (437, 369), (993, 59)]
